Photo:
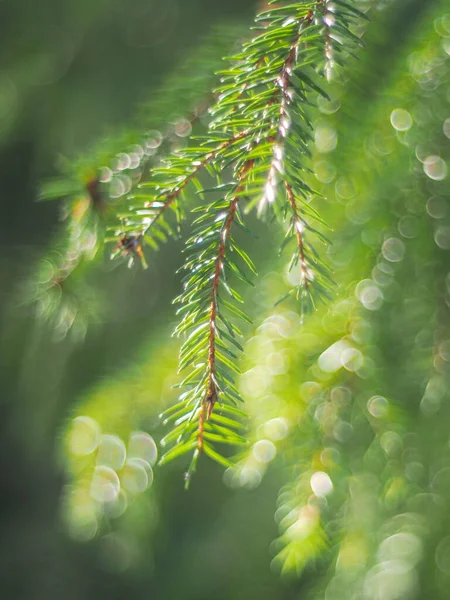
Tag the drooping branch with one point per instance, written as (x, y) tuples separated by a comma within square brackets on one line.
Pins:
[(211, 340), (261, 131)]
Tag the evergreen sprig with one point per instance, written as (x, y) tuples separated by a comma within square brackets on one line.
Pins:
[(262, 115), (212, 342), (258, 137)]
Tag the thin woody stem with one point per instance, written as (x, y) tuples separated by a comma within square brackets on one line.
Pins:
[(201, 426), (212, 390), (282, 96), (328, 19), (298, 226), (211, 394)]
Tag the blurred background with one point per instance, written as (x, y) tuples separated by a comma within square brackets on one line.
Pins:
[(343, 492)]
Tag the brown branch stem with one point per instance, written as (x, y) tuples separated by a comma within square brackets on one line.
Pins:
[(281, 94), (298, 232), (211, 395), (169, 198)]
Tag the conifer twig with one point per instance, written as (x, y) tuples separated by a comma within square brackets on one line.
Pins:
[(261, 131)]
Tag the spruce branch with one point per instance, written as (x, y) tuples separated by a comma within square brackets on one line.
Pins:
[(211, 344), (261, 132)]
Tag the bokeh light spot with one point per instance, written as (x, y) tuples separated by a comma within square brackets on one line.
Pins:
[(442, 237), (352, 359), (84, 435), (441, 482), (391, 443), (390, 580), (116, 507), (183, 128), (326, 138), (401, 120), (393, 250), (378, 407), (105, 484), (436, 207), (276, 429), (408, 226), (111, 452), (435, 167), (328, 107), (321, 483), (446, 127), (369, 294), (345, 188), (142, 445), (331, 360), (136, 476), (404, 546), (264, 451), (324, 171)]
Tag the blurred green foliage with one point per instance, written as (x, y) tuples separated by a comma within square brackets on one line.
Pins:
[(349, 446)]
